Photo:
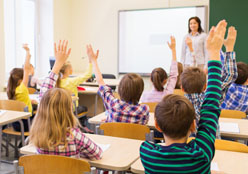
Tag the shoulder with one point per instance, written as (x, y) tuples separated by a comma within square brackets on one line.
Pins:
[(21, 89)]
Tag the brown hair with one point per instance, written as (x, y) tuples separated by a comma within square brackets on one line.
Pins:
[(62, 72), (193, 80), (157, 77), (180, 71), (131, 87), (53, 120), (200, 30), (174, 115), (14, 81), (242, 73)]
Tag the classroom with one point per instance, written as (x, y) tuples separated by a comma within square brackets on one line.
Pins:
[(123, 86)]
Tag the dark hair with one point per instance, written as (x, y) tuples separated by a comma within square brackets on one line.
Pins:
[(174, 115), (157, 77), (15, 76), (193, 80), (131, 87), (200, 30), (180, 71), (242, 73)]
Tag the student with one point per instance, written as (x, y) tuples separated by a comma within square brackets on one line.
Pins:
[(180, 71), (174, 116), (193, 79), (55, 129), (126, 109), (159, 78), (33, 81), (237, 94), (17, 87)]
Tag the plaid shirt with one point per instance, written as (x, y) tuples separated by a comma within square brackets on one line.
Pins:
[(229, 75), (236, 98), (79, 146), (121, 111)]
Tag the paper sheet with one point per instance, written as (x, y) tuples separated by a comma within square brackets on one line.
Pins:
[(229, 127), (2, 112), (214, 166), (104, 147)]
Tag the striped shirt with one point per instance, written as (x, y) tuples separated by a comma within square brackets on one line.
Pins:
[(121, 111), (196, 156)]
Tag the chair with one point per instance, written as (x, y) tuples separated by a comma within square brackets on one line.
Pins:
[(109, 76), (13, 105), (53, 164), (31, 90), (228, 145), (178, 92), (232, 114), (152, 106), (125, 130)]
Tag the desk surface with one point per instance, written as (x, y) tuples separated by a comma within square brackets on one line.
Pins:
[(227, 161), (110, 82), (11, 116), (89, 90), (243, 125), (120, 155)]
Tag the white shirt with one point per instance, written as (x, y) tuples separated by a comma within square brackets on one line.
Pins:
[(199, 47)]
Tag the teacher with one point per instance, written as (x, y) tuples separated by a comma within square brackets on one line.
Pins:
[(194, 52)]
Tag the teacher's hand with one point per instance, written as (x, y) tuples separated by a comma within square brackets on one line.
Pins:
[(189, 44)]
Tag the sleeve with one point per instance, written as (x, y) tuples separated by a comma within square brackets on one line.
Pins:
[(210, 111), (183, 53), (229, 71), (171, 83), (88, 149), (49, 82), (107, 96), (78, 80)]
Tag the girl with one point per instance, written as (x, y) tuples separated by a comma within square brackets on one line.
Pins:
[(159, 78), (55, 129), (17, 87)]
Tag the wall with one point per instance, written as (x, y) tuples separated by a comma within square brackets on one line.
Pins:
[(2, 55)]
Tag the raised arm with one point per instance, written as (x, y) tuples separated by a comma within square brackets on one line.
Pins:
[(27, 66), (210, 109), (61, 54)]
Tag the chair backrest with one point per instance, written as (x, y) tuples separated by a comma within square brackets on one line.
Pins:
[(178, 92), (31, 90), (109, 76), (152, 106), (53, 164), (13, 105), (228, 145), (232, 114), (125, 130)]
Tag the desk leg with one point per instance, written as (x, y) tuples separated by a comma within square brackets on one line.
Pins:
[(22, 131), (0, 144), (29, 123), (96, 99)]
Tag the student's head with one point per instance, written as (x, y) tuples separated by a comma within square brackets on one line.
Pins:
[(15, 78), (158, 78), (131, 87), (174, 116), (242, 73), (193, 80), (53, 118), (180, 71), (66, 70), (194, 24)]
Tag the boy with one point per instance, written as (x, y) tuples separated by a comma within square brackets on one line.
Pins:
[(237, 94), (126, 109), (174, 116), (193, 80)]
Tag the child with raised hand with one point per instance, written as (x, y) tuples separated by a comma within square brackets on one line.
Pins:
[(174, 117), (17, 88), (55, 129), (159, 78), (126, 109)]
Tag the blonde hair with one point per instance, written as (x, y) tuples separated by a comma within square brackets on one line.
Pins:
[(62, 72), (53, 120)]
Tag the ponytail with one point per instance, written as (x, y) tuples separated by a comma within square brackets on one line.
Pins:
[(62, 72), (14, 80), (158, 76)]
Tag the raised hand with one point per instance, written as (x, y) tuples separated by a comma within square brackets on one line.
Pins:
[(215, 40), (172, 45), (25, 47), (92, 56), (229, 42)]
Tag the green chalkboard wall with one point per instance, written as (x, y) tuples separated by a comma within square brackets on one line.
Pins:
[(236, 14)]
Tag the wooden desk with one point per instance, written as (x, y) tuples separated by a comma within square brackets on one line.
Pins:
[(120, 155), (9, 117), (227, 161), (243, 125)]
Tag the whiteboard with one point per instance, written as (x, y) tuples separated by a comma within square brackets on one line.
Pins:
[(143, 36)]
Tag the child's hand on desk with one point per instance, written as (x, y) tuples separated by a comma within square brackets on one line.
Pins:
[(229, 42), (103, 120), (34, 102)]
